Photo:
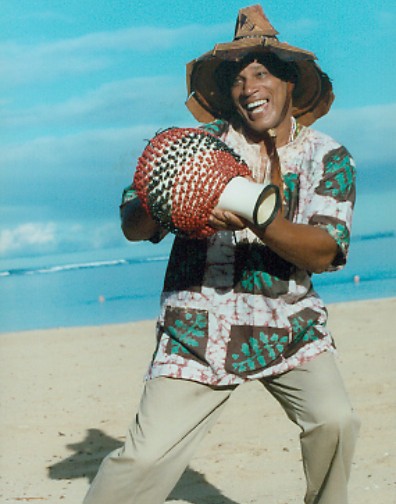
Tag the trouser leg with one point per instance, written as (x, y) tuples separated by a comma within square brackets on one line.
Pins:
[(314, 397), (173, 417)]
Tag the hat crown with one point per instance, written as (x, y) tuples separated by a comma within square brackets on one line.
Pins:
[(252, 22)]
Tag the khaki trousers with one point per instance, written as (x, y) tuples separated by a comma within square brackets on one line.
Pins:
[(174, 416)]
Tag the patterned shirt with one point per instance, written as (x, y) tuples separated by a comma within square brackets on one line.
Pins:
[(231, 309)]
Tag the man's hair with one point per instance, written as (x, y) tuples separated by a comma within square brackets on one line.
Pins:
[(228, 70)]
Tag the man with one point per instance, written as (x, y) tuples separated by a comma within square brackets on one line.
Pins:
[(240, 305)]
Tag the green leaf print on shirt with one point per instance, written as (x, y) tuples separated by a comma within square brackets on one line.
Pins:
[(340, 233), (291, 189), (304, 333), (255, 276), (291, 185), (258, 352), (254, 280), (303, 326), (339, 175), (258, 270), (186, 332)]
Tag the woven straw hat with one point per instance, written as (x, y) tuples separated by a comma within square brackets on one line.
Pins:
[(312, 95)]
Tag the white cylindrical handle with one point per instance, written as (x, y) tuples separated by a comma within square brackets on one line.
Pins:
[(258, 203)]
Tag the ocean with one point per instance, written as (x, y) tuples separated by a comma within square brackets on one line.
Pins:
[(124, 284)]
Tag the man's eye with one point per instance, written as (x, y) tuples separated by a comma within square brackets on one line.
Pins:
[(261, 74), (237, 81)]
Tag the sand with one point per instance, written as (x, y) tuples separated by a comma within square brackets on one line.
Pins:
[(67, 397)]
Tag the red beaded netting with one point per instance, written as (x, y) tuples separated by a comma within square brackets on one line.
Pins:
[(180, 177)]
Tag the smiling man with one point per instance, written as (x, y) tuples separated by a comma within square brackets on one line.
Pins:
[(240, 305), (263, 100)]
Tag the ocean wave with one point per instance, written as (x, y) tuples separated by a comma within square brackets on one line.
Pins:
[(62, 268), (73, 266), (374, 236)]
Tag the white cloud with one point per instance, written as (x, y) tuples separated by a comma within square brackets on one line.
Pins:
[(368, 132), (91, 152), (298, 26), (123, 102), (386, 21), (32, 238), (95, 51), (23, 64), (27, 236)]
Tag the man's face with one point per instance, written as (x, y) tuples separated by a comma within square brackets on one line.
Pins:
[(262, 100)]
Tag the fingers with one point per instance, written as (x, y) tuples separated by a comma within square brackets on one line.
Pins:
[(223, 220)]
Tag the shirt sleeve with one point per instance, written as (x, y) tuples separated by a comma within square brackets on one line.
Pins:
[(332, 198), (129, 194)]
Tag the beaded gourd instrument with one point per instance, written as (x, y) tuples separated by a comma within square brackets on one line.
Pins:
[(180, 177)]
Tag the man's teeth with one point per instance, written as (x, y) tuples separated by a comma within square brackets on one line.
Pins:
[(256, 104)]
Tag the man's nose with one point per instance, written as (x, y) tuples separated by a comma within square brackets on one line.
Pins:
[(249, 87)]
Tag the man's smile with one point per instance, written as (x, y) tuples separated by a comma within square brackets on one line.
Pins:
[(256, 106)]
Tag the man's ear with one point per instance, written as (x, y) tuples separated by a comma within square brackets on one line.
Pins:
[(290, 87)]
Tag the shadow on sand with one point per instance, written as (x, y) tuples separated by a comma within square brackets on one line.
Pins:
[(88, 454)]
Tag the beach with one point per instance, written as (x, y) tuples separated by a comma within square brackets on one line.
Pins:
[(68, 395)]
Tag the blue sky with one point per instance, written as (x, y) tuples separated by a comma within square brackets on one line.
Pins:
[(85, 82)]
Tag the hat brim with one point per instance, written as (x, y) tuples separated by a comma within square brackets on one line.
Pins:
[(312, 95)]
